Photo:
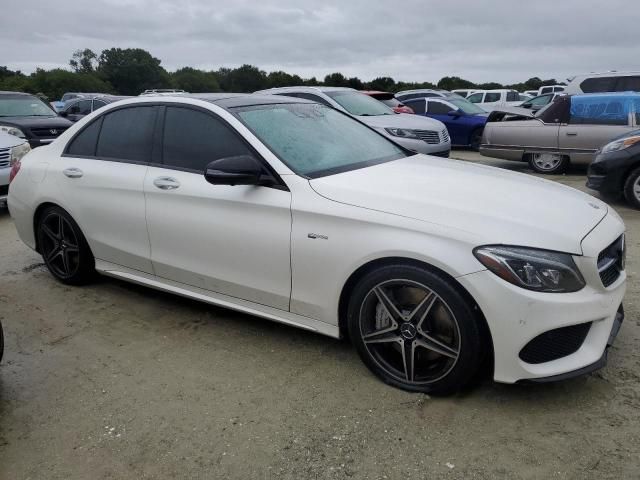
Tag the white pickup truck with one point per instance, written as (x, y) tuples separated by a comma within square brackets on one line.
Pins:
[(489, 100)]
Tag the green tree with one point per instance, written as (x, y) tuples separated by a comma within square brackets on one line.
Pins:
[(53, 83), (355, 82), (195, 81), (336, 80), (384, 84), (452, 83), (132, 70), (84, 61), (283, 79), (246, 78)]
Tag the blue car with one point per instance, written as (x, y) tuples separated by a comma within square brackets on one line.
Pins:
[(465, 121)]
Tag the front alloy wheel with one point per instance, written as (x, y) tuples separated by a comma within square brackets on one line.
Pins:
[(414, 330)]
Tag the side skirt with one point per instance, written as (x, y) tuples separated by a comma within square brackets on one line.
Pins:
[(218, 299)]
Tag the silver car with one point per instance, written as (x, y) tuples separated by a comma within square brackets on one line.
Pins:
[(417, 133), (12, 149), (570, 129)]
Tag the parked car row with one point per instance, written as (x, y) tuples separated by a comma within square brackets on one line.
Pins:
[(307, 213)]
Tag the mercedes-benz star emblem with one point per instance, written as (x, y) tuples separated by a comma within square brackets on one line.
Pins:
[(408, 331)]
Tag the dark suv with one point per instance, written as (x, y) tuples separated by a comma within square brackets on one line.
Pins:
[(28, 117)]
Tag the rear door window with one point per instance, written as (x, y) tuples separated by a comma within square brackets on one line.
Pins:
[(491, 97), (192, 139), (599, 84), (127, 134), (418, 105), (513, 97), (439, 108), (628, 84), (84, 144), (84, 107)]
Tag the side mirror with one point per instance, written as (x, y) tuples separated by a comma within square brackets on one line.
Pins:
[(238, 170), (455, 113)]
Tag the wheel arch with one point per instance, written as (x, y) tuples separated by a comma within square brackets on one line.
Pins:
[(381, 262)]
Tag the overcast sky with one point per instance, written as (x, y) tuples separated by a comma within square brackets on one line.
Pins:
[(490, 40)]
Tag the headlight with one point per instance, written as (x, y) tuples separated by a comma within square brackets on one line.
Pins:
[(620, 144), (401, 132), (539, 270), (12, 131), (20, 151)]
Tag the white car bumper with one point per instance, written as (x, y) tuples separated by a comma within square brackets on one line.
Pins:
[(517, 317)]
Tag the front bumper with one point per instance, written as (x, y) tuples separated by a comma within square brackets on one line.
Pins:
[(608, 171), (4, 185), (516, 316), (441, 149), (597, 365)]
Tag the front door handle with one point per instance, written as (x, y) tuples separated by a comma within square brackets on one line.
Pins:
[(572, 134), (166, 183), (72, 172)]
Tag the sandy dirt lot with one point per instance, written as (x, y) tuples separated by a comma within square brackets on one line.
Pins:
[(115, 381)]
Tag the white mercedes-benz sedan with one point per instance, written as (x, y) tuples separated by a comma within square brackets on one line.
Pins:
[(299, 213)]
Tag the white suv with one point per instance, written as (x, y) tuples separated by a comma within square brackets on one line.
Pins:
[(417, 133), (604, 82)]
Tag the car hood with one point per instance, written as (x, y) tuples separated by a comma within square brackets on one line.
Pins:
[(7, 141), (485, 205), (402, 120), (36, 122)]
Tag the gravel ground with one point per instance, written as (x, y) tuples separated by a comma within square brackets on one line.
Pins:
[(119, 381)]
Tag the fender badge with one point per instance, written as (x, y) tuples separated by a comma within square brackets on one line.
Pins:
[(597, 207), (317, 236)]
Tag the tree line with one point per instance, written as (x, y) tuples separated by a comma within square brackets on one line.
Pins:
[(130, 71)]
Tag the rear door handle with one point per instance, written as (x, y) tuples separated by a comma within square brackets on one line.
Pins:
[(72, 172), (572, 134), (166, 183)]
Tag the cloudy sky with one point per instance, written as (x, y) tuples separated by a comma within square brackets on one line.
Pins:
[(489, 40)]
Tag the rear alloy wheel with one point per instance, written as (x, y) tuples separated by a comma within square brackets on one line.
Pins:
[(632, 188), (63, 247), (548, 163), (414, 330), (476, 139)]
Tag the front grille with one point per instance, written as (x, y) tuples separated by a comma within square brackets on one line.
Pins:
[(611, 261), (4, 190), (555, 344), (5, 157), (429, 136), (48, 132), (444, 136)]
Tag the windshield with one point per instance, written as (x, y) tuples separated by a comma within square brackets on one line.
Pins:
[(465, 105), (314, 140), (24, 107), (357, 103)]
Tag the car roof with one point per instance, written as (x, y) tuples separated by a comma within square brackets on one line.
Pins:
[(302, 88), (22, 94), (420, 90), (233, 100)]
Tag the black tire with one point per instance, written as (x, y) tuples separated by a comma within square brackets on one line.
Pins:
[(1, 342), (632, 188), (555, 164), (476, 139), (63, 247), (446, 326)]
